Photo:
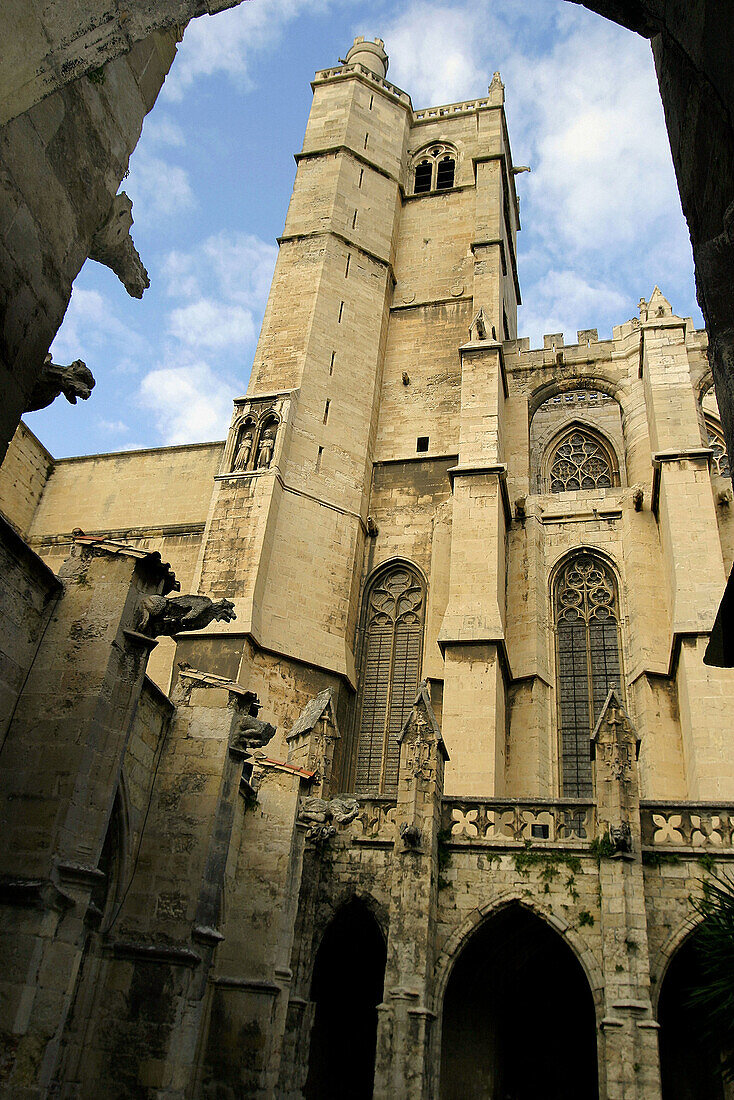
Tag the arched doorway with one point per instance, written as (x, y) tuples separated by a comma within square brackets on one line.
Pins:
[(347, 986), (518, 1016), (689, 1067)]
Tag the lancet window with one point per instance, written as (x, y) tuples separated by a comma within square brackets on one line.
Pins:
[(580, 459), (588, 662), (392, 642)]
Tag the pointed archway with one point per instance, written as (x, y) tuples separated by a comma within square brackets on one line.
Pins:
[(518, 1016), (347, 987), (689, 1067)]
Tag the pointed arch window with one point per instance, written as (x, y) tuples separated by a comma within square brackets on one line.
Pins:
[(435, 169), (588, 661), (580, 459), (720, 459), (392, 623)]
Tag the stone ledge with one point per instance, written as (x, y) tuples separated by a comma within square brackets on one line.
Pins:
[(171, 954)]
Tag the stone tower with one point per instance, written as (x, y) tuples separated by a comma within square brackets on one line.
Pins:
[(472, 585), (379, 282)]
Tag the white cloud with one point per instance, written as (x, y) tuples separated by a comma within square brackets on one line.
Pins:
[(205, 323), (562, 301), (113, 427), (89, 325), (189, 402), (240, 265), (158, 188), (228, 43), (435, 53), (160, 129), (588, 117)]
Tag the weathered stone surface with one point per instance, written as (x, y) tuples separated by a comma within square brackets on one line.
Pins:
[(195, 931)]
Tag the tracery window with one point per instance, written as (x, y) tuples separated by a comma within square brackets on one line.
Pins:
[(720, 459), (580, 460), (435, 170), (588, 661), (393, 615)]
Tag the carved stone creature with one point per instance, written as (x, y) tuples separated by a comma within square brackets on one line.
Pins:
[(410, 834), (242, 457), (162, 617), (266, 448), (113, 246), (251, 733), (73, 381), (322, 817), (621, 838)]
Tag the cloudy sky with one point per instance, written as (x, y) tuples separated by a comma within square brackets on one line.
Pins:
[(211, 178)]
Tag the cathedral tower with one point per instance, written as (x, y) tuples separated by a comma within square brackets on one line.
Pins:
[(399, 249)]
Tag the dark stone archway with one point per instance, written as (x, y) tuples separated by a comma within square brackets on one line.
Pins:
[(518, 1017), (689, 1067), (347, 987)]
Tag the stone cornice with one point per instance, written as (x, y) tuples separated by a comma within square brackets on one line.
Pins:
[(499, 469), (288, 237)]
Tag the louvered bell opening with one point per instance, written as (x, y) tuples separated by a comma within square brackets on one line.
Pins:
[(445, 173), (423, 177)]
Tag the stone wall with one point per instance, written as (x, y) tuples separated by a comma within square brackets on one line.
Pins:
[(28, 592), (62, 162), (23, 477)]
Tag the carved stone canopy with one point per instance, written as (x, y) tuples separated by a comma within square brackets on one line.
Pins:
[(421, 723), (615, 730)]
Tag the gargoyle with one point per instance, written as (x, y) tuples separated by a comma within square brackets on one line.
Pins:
[(251, 733), (322, 817), (73, 381), (621, 838), (113, 246), (410, 834), (162, 617)]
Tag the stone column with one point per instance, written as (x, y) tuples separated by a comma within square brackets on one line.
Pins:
[(404, 1018), (60, 772), (628, 1052), (691, 551), (472, 635)]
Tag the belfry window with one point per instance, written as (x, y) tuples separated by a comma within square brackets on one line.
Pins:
[(434, 170), (445, 173), (392, 642), (423, 176), (580, 460), (588, 662)]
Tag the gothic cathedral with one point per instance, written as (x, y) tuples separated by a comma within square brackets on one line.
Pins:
[(409, 799)]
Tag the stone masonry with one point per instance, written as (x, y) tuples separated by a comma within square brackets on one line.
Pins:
[(442, 777)]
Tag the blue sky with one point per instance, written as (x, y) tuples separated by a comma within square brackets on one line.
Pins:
[(211, 178)]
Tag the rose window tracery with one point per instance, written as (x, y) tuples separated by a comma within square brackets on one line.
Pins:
[(580, 461)]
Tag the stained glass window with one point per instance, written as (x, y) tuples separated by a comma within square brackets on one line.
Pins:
[(720, 459), (393, 640), (587, 631), (580, 461)]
